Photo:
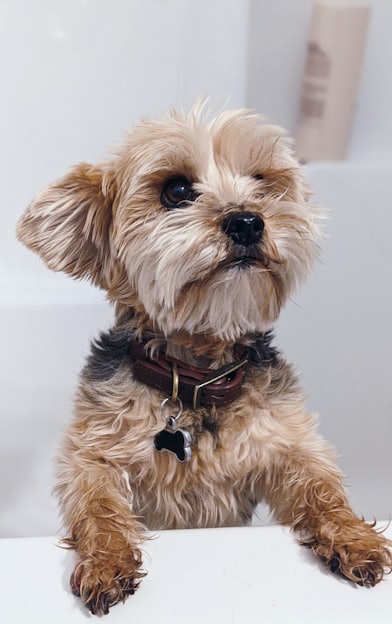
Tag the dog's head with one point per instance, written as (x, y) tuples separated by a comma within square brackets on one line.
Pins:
[(203, 224)]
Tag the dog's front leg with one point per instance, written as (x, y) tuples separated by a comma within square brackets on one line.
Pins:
[(105, 534), (305, 491)]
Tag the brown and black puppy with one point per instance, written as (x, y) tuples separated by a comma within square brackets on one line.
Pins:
[(199, 230)]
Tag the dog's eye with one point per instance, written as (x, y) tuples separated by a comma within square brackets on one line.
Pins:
[(177, 192), (259, 178)]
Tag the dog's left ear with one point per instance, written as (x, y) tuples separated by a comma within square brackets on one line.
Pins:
[(68, 224)]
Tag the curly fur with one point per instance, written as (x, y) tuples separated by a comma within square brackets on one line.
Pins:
[(181, 285)]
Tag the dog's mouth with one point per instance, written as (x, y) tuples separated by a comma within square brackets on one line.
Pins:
[(244, 259)]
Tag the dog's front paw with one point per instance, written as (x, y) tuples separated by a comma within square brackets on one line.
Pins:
[(101, 585), (359, 553)]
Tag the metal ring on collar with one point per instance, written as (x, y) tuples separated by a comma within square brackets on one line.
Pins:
[(166, 402)]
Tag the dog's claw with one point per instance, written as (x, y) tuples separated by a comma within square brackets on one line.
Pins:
[(367, 575), (334, 564), (75, 580), (99, 599), (103, 601)]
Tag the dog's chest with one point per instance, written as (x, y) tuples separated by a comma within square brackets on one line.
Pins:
[(229, 446), (213, 488)]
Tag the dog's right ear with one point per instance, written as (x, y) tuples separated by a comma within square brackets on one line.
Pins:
[(69, 223)]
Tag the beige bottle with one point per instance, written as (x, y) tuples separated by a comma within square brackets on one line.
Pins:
[(335, 53)]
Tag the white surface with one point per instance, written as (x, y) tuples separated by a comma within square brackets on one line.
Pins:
[(243, 576)]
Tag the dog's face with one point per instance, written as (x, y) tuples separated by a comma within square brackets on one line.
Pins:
[(202, 224)]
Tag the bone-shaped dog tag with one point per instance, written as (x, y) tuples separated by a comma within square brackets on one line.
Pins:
[(174, 440)]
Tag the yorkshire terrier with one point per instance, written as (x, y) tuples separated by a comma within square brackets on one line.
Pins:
[(198, 228)]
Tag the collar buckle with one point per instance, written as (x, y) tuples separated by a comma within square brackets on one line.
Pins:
[(213, 377)]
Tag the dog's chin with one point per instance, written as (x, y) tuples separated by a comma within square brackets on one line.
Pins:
[(241, 296), (242, 263)]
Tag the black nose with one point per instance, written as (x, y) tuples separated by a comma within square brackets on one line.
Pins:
[(244, 228)]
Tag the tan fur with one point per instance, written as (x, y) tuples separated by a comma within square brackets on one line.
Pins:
[(169, 274)]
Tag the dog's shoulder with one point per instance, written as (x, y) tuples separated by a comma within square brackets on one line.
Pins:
[(108, 352), (269, 370)]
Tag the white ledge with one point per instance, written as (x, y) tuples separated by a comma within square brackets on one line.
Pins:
[(244, 576)]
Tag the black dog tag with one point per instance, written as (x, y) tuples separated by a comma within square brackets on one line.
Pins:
[(174, 440)]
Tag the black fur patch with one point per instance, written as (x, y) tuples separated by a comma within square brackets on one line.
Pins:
[(108, 352), (261, 353), (210, 424)]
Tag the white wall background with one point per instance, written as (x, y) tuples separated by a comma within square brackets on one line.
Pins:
[(76, 74)]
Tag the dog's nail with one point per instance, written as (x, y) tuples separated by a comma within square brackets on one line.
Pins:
[(75, 579), (334, 564)]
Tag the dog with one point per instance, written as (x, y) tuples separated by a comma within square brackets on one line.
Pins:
[(199, 228)]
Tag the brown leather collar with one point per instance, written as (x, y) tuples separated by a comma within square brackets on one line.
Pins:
[(196, 387)]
